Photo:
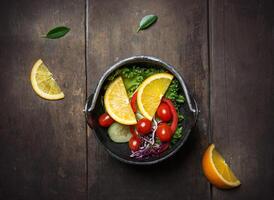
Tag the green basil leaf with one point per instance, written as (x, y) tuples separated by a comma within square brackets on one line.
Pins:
[(57, 32), (147, 21)]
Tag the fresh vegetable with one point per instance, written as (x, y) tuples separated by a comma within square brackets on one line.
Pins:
[(147, 21), (177, 135), (164, 113), (119, 133), (133, 102), (144, 126), (105, 120), (133, 131), (133, 76), (148, 151), (179, 131), (134, 143), (57, 32), (174, 123), (154, 134), (175, 94), (164, 132)]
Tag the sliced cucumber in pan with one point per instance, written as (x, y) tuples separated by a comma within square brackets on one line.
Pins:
[(119, 133)]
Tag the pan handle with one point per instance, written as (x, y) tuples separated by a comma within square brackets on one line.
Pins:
[(192, 104), (197, 111), (89, 113)]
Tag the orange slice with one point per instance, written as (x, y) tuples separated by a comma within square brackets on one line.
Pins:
[(117, 103), (150, 93), (217, 171), (43, 83)]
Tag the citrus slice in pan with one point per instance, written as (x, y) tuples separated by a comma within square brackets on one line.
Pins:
[(150, 93), (117, 103)]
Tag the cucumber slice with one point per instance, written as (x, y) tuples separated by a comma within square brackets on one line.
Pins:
[(119, 133)]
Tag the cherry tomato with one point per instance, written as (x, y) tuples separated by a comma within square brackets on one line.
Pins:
[(164, 132), (105, 120), (164, 112), (144, 126), (134, 143)]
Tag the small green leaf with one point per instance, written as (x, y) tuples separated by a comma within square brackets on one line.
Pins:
[(147, 21), (57, 32)]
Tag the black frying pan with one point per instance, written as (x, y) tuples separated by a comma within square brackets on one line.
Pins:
[(93, 109)]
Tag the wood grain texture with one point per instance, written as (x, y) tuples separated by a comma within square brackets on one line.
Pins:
[(42, 143), (180, 38), (242, 93)]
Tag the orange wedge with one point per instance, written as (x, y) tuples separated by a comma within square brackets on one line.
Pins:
[(150, 93), (217, 171), (117, 103), (43, 83)]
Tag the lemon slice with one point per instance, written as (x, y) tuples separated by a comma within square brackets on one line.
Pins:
[(43, 82), (217, 171), (117, 103), (150, 93)]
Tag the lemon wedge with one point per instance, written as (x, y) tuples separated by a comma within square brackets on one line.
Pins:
[(43, 82), (117, 103)]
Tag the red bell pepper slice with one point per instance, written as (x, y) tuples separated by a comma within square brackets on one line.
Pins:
[(133, 102), (174, 123), (133, 131)]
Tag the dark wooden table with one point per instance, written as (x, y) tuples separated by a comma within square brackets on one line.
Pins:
[(223, 48)]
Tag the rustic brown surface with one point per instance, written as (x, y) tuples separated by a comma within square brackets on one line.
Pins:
[(43, 151), (42, 143), (180, 38), (242, 94)]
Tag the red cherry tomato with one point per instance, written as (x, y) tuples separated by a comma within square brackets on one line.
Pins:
[(105, 120), (164, 132), (164, 113), (134, 143), (144, 126)]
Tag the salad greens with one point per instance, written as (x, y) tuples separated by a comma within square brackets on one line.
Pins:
[(174, 93), (178, 133), (135, 75)]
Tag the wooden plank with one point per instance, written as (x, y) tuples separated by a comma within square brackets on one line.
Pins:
[(42, 143), (243, 93), (180, 38)]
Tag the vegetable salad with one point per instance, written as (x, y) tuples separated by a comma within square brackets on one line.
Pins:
[(146, 138)]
